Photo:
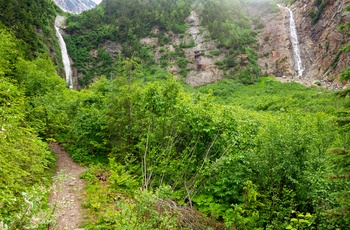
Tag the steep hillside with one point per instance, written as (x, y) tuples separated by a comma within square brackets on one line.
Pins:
[(320, 41), (215, 41), (190, 39), (31, 21), (97, 38)]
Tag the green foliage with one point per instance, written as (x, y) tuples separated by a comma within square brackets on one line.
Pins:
[(188, 45), (250, 169), (120, 179), (9, 52), (24, 18), (271, 95), (291, 140), (345, 74), (230, 28), (24, 161), (182, 63), (253, 157), (296, 133), (245, 215), (227, 24), (215, 52), (117, 210), (32, 211), (38, 77), (163, 40), (316, 13), (29, 107), (335, 61), (340, 158), (123, 23), (289, 153), (206, 204), (345, 27), (300, 222)]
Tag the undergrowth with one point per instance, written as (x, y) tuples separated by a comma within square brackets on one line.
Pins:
[(115, 201)]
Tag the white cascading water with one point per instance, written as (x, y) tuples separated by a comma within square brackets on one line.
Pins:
[(295, 43), (65, 57)]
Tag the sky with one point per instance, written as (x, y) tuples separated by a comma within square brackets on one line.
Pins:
[(97, 1)]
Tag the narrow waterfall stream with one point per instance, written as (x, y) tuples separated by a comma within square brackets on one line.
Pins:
[(298, 64), (65, 57)]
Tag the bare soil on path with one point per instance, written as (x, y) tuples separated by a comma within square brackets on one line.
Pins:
[(67, 192)]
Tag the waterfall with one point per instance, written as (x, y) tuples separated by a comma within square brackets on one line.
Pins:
[(65, 57), (295, 43)]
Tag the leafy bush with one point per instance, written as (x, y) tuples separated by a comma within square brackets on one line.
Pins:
[(117, 210), (164, 39), (345, 74), (188, 45), (215, 52), (25, 161)]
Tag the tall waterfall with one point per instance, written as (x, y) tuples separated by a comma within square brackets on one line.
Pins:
[(65, 57), (295, 43)]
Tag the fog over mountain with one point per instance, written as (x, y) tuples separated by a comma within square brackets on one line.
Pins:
[(76, 6)]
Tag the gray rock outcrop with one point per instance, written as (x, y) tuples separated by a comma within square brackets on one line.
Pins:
[(76, 6)]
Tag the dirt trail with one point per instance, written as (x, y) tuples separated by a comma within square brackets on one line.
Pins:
[(66, 192)]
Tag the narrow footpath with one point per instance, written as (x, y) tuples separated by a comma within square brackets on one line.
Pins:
[(67, 192)]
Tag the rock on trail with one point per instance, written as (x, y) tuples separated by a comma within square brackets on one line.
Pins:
[(66, 192)]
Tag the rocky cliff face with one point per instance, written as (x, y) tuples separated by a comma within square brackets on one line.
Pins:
[(319, 42), (200, 64), (76, 6), (203, 69), (198, 53)]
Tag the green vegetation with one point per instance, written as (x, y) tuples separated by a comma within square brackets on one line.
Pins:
[(316, 13), (189, 45), (25, 18), (229, 26), (345, 74), (132, 208), (114, 23), (30, 112), (28, 92), (124, 23), (345, 28), (259, 160), (264, 156)]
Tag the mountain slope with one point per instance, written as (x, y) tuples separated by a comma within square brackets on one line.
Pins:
[(75, 6), (31, 22), (165, 34), (320, 41), (221, 44)]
